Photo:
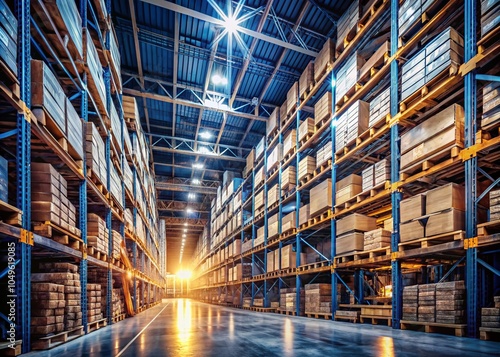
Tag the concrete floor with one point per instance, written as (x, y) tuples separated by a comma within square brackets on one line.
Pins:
[(188, 328)]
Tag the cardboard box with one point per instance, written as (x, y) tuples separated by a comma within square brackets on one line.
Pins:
[(306, 80), (356, 222), (306, 166), (288, 222), (349, 242), (325, 57), (345, 194), (412, 207), (305, 128), (304, 214), (272, 122), (445, 197), (270, 262), (323, 108), (411, 230), (321, 197), (290, 142), (445, 222), (288, 178)]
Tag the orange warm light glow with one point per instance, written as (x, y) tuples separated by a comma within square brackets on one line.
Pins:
[(184, 274)]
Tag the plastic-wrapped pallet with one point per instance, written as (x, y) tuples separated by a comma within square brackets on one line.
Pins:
[(116, 127), (96, 157), (380, 107), (351, 124), (491, 105), (347, 75), (116, 186), (348, 22), (490, 16), (4, 179), (8, 37), (91, 57)]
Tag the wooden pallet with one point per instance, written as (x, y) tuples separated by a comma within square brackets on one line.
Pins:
[(345, 258), (319, 315), (343, 43), (48, 342), (372, 192), (308, 90), (305, 139), (312, 266), (10, 214), (97, 254), (319, 218), (58, 234), (431, 241), (9, 79), (272, 134), (489, 333), (273, 206), (430, 161), (435, 327), (374, 320), (348, 94), (286, 312), (488, 228), (287, 156), (262, 309), (319, 124), (272, 170), (305, 179), (101, 187), (96, 325), (11, 349), (289, 233), (368, 254), (44, 119)]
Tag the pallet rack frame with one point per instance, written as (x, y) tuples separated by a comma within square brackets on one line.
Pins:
[(472, 262)]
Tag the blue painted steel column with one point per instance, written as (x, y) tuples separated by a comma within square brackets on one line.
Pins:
[(297, 207), (134, 244), (470, 93), (83, 189), (396, 196), (266, 226), (23, 158), (333, 226)]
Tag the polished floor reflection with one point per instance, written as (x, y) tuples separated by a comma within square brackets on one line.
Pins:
[(184, 328)]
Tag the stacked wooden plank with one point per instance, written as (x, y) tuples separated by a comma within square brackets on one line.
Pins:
[(347, 76), (4, 179), (95, 154), (324, 59), (288, 222), (324, 154), (427, 303), (321, 197), (490, 16), (8, 33), (323, 108), (491, 103), (306, 167), (350, 232), (288, 179), (48, 94), (306, 128), (411, 209), (378, 238), (450, 302), (350, 124), (494, 205), (306, 80), (490, 316), (304, 214), (272, 226), (291, 99), (318, 298), (444, 53), (117, 239), (433, 138), (272, 123), (97, 233), (91, 58), (94, 297), (290, 142), (410, 303), (117, 303), (347, 188), (130, 111), (446, 207), (65, 274), (380, 107), (275, 157), (347, 24), (49, 198), (288, 300), (47, 310), (116, 188)]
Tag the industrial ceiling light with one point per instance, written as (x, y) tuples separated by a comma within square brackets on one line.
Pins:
[(185, 224), (189, 210), (198, 166), (185, 229), (231, 24), (204, 150), (194, 182), (183, 236), (191, 196), (206, 134)]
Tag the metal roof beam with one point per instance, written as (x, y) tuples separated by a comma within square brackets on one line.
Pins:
[(178, 184), (191, 222), (177, 206), (176, 67), (193, 153), (188, 167), (246, 63), (167, 139), (200, 16), (277, 66), (163, 98)]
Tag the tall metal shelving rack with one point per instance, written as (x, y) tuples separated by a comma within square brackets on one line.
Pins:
[(478, 54), (26, 125)]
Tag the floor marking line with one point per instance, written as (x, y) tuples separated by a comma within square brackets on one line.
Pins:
[(145, 327)]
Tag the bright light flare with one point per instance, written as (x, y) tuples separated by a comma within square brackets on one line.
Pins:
[(184, 274)]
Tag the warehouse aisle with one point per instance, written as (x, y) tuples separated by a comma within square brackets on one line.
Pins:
[(189, 328)]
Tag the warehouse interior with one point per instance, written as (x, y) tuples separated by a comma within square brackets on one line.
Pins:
[(250, 177)]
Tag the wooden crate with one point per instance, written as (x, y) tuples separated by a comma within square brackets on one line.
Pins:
[(412, 207), (448, 221), (306, 80), (429, 139), (444, 197), (323, 108), (356, 222), (321, 197), (324, 59)]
